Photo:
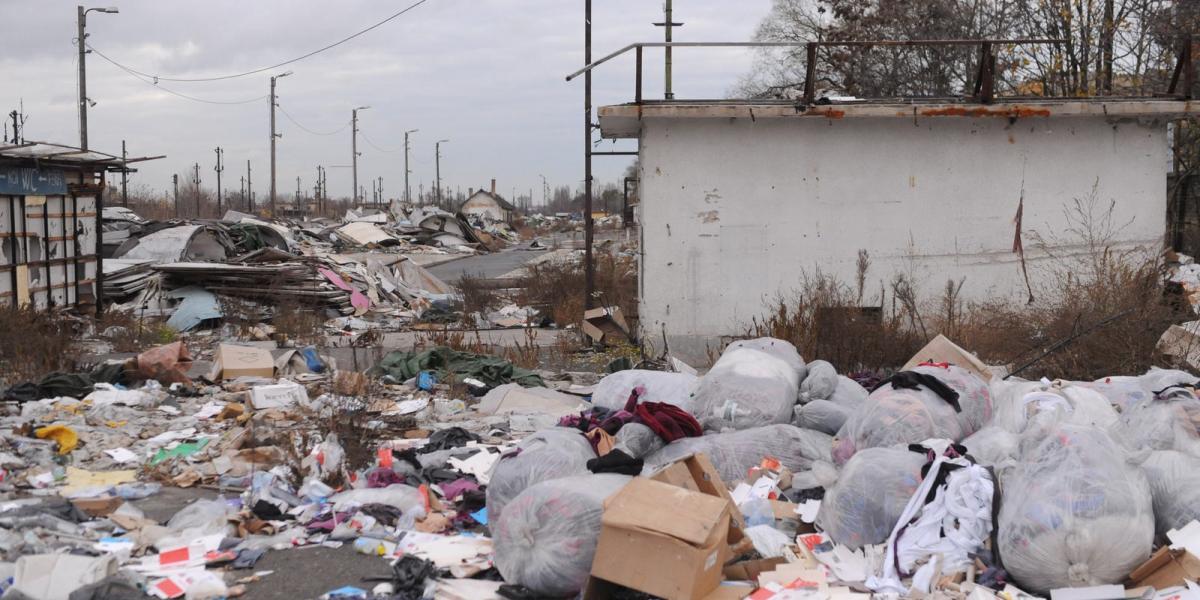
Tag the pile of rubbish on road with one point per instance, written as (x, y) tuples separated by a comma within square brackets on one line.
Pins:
[(467, 477)]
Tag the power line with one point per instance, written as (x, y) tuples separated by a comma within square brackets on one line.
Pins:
[(297, 124), (138, 77), (276, 66), (372, 144)]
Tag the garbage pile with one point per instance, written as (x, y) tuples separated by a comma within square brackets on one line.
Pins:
[(465, 476)]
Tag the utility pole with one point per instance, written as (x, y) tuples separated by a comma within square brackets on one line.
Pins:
[(297, 202), (249, 188), (196, 180), (407, 171), (273, 138), (242, 195), (81, 41), (124, 176), (321, 189), (381, 191), (438, 167), (354, 151), (175, 183), (218, 169), (589, 269), (668, 25), (545, 190)]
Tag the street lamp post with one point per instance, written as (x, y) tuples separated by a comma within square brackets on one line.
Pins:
[(438, 167), (273, 138), (354, 149), (81, 14)]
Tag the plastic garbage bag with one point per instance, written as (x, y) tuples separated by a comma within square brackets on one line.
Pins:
[(1155, 380), (735, 452), (1174, 479), (1171, 423), (637, 440), (545, 455), (208, 514), (849, 393), (821, 415), (906, 416), (781, 349), (993, 446), (546, 538), (871, 491), (671, 388), (820, 383), (1120, 391), (746, 388), (398, 495), (1076, 513)]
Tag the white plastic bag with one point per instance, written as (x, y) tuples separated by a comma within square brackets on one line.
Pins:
[(546, 537), (545, 455), (1120, 391), (399, 495), (1174, 479), (746, 388), (1075, 512), (1171, 423), (821, 415), (675, 389), (781, 349), (820, 383), (993, 446), (735, 452), (849, 393), (871, 491), (893, 416), (1155, 380)]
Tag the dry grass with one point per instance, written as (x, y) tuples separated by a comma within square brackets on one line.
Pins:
[(34, 343), (1110, 305), (130, 333), (557, 288), (525, 353), (477, 297)]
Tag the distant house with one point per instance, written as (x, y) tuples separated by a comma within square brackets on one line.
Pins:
[(488, 205)]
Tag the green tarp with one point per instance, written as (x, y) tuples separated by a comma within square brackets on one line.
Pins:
[(492, 371)]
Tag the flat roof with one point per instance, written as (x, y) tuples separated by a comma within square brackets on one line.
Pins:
[(624, 120), (59, 155)]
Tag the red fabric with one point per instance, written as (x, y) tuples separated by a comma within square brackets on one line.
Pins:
[(668, 421)]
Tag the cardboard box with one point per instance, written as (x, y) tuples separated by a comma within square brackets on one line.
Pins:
[(232, 361), (941, 349), (1182, 343), (749, 570), (1166, 568), (664, 540), (279, 395), (605, 325), (98, 507), (695, 472)]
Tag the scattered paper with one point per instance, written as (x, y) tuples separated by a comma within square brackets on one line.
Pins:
[(480, 465), (808, 510), (408, 407), (122, 455)]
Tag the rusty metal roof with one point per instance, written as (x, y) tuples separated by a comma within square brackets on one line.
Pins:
[(59, 155)]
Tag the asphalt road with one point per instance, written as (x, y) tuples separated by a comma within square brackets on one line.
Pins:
[(484, 265)]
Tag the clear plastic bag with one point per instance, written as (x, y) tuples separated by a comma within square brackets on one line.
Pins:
[(993, 446), (1171, 423), (746, 388), (1174, 479), (905, 416), (403, 497), (849, 393), (545, 455), (820, 383), (781, 349), (1076, 513), (821, 415), (735, 452), (671, 388), (871, 491), (1156, 379), (1120, 391), (546, 538), (637, 440)]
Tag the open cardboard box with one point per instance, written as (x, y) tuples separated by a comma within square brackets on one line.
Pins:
[(1166, 568), (697, 473)]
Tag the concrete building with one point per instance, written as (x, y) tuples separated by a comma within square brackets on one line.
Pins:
[(742, 200), (488, 205)]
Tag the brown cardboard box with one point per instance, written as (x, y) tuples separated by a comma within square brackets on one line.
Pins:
[(232, 361), (941, 349), (749, 570), (695, 472), (1166, 568), (98, 507), (605, 325), (664, 540)]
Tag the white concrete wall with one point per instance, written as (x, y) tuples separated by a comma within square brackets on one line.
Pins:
[(735, 212), (483, 205)]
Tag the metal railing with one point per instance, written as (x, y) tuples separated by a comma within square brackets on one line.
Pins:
[(984, 87)]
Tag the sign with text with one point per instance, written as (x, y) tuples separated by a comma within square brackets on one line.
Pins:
[(28, 181)]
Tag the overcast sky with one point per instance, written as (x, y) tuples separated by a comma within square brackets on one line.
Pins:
[(486, 74)]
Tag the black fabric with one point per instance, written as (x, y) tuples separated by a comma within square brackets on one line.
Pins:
[(1178, 386), (912, 380), (266, 511), (445, 439), (74, 385), (616, 461), (472, 500), (384, 513), (520, 592), (408, 577)]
